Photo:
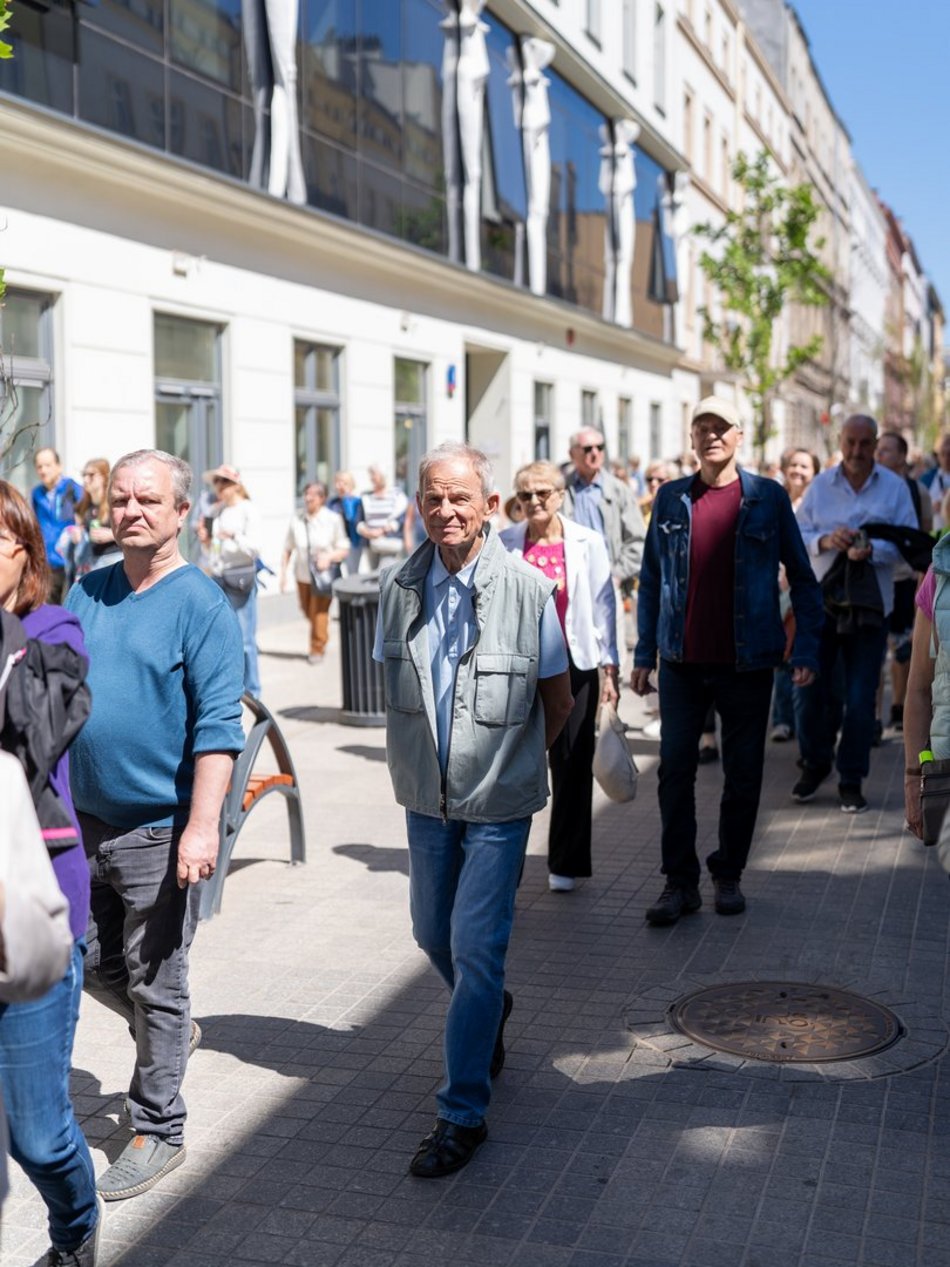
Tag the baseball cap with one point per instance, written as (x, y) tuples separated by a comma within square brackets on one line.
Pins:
[(224, 472), (718, 408)]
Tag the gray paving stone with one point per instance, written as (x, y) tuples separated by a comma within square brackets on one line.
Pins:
[(320, 1062)]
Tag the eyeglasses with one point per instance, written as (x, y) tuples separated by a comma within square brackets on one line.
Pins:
[(542, 494), (654, 479), (593, 448)]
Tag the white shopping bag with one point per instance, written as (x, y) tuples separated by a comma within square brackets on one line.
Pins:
[(614, 767)]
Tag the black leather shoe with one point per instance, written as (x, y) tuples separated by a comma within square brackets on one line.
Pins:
[(673, 902), (498, 1055), (707, 756), (446, 1148), (729, 899)]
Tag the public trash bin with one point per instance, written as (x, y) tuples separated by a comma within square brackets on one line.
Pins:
[(363, 694)]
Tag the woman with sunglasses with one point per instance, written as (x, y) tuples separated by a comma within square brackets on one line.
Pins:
[(576, 559), (36, 1039)]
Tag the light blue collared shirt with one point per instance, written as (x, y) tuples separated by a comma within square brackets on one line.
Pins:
[(451, 631), (587, 499), (830, 502)]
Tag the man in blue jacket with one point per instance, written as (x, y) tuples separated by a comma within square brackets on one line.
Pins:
[(55, 499), (709, 608)]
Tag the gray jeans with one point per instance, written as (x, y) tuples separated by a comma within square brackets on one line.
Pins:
[(141, 926)]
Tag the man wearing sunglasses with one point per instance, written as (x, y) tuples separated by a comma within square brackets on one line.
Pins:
[(596, 499)]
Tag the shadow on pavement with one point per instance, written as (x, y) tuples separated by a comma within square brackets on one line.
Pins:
[(364, 750), (376, 857), (316, 713)]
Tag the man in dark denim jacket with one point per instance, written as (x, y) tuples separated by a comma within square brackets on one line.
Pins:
[(709, 608)]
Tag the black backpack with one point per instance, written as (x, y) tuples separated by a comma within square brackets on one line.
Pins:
[(44, 703)]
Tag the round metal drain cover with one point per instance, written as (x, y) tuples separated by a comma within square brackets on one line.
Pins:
[(785, 1022)]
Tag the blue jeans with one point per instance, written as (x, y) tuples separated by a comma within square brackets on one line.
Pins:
[(247, 619), (851, 664), (141, 926), (462, 883), (36, 1044), (742, 701)]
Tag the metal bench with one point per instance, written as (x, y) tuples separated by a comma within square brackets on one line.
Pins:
[(246, 789)]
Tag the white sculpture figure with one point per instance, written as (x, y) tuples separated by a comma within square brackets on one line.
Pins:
[(464, 74), (270, 30), (527, 61), (618, 179), (679, 219)]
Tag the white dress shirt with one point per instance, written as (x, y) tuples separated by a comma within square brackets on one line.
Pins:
[(830, 502)]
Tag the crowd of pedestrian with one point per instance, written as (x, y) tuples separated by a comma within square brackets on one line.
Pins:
[(760, 600)]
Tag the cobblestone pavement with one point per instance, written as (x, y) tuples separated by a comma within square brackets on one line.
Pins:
[(611, 1141)]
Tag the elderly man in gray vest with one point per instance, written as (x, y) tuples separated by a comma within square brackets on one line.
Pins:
[(477, 688), (596, 499)]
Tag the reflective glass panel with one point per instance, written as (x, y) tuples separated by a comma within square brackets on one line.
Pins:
[(185, 349), (300, 449), (380, 199), (41, 68), (138, 22), (173, 428), (503, 192), (578, 215), (422, 219), (331, 176), (380, 83), (205, 125), (327, 68), (206, 37), (422, 92), (121, 90)]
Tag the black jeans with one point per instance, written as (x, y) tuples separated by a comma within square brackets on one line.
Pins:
[(572, 782), (742, 701)]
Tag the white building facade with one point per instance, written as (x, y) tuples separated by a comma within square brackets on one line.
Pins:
[(870, 284), (191, 267)]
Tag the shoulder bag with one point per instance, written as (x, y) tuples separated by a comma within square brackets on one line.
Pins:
[(321, 579)]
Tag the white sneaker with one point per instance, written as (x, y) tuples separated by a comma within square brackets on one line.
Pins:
[(781, 733), (561, 883), (652, 729)]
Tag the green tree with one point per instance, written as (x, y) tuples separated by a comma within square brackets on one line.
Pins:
[(760, 260)]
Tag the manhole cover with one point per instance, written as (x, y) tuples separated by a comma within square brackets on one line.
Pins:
[(785, 1022)]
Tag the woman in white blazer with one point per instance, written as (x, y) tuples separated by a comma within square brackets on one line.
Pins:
[(576, 559)]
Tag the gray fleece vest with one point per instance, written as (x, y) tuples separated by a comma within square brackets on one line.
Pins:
[(496, 768)]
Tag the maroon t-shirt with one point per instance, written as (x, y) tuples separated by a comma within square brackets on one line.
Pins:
[(709, 635)]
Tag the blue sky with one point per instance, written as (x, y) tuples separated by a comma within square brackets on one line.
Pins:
[(885, 69)]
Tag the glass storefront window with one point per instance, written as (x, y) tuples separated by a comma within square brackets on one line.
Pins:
[(543, 393), (316, 413), (26, 386), (186, 349)]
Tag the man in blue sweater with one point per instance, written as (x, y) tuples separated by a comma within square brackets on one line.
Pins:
[(148, 779), (55, 499)]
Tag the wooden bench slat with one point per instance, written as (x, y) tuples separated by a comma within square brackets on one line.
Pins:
[(258, 784)]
